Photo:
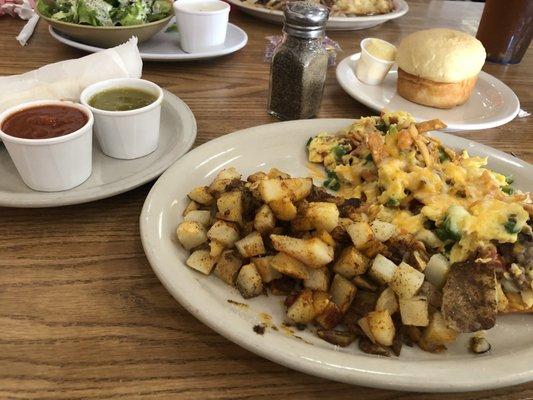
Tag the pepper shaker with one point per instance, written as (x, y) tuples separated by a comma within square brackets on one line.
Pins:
[(299, 64)]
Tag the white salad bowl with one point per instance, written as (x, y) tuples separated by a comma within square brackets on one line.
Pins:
[(53, 164), (126, 134)]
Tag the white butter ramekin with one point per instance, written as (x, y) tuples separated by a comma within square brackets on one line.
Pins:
[(126, 134), (53, 164), (202, 24), (369, 69)]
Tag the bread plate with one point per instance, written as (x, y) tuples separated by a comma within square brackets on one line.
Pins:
[(492, 102), (210, 300), (335, 23), (110, 176)]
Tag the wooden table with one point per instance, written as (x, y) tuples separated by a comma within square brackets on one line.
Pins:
[(82, 315)]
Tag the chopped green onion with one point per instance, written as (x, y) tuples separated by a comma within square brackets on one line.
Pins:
[(509, 179), (510, 225), (369, 158), (309, 142), (392, 202), (338, 151), (392, 129), (443, 156), (508, 189), (332, 182), (382, 126)]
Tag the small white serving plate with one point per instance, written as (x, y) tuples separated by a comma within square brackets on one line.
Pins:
[(334, 23), (165, 45), (282, 145), (492, 102), (110, 176)]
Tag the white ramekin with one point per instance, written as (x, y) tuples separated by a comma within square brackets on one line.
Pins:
[(202, 24), (126, 134), (369, 69), (53, 164)]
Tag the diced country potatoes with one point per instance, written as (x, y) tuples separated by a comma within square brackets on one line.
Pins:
[(382, 269), (265, 269), (215, 248), (437, 269), (226, 233), (382, 231), (381, 327), (351, 262), (342, 292), (283, 209), (341, 269), (264, 221), (312, 252), (192, 206), (191, 234), (249, 281), (302, 311), (271, 190), (406, 281), (228, 266), (414, 311), (317, 279), (230, 206), (201, 261), (202, 196), (251, 245), (387, 301), (323, 215), (437, 332), (203, 217), (299, 188), (360, 233), (288, 265)]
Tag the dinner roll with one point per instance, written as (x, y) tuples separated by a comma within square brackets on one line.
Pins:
[(439, 67)]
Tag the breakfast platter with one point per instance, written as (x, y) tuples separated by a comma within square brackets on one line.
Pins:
[(335, 22), (164, 45), (223, 308), (492, 103)]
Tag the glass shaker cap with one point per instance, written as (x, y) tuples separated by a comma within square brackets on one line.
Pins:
[(305, 18)]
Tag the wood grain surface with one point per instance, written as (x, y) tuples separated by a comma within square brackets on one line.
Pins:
[(82, 315)]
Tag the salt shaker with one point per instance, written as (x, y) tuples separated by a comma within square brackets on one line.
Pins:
[(299, 64)]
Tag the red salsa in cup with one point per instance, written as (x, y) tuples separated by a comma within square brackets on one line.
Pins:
[(44, 122)]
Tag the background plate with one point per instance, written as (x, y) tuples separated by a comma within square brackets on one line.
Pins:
[(334, 23), (164, 46), (282, 145), (492, 102), (110, 176)]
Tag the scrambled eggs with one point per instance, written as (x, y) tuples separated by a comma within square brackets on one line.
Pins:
[(411, 180)]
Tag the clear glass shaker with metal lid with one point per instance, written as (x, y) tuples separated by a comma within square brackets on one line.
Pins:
[(299, 64)]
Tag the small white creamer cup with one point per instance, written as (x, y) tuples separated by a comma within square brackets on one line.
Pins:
[(202, 24), (126, 134), (53, 164), (370, 69)]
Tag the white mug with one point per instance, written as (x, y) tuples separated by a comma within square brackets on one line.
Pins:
[(202, 24)]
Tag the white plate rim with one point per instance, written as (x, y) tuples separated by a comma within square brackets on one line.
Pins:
[(333, 22), (37, 199), (372, 373), (159, 56), (344, 65)]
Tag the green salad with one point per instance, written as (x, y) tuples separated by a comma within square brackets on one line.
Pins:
[(105, 12)]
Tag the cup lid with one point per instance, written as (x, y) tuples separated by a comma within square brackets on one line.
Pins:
[(305, 19)]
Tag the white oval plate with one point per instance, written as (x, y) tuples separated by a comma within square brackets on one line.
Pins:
[(282, 145), (110, 176), (334, 23), (165, 45), (492, 102)]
